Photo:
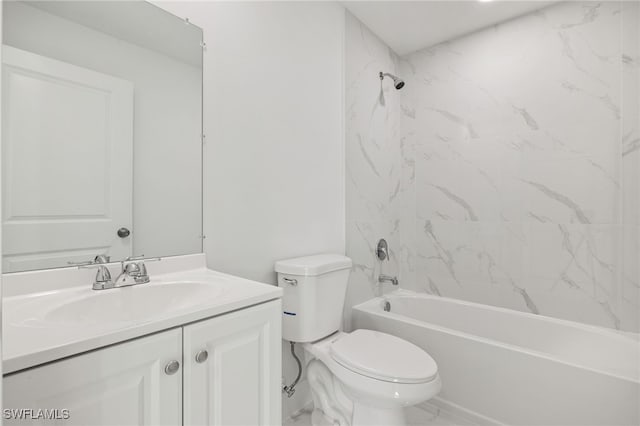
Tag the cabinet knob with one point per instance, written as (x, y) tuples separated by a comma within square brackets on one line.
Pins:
[(172, 367), (202, 356)]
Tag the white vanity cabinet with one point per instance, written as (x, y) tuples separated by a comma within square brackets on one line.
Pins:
[(124, 384), (235, 379), (239, 381)]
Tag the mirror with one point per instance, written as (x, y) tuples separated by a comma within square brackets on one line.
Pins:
[(101, 133)]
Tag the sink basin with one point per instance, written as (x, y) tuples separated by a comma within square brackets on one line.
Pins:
[(53, 314), (130, 304)]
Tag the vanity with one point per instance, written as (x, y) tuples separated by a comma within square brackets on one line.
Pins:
[(110, 315), (192, 347)]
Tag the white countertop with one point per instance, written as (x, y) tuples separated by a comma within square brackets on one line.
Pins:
[(29, 339)]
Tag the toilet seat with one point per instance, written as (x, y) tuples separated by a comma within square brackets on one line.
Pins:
[(383, 357)]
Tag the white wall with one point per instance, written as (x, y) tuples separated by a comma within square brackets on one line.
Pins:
[(167, 123), (273, 120), (273, 117)]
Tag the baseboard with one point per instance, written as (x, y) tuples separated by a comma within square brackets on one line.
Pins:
[(457, 414)]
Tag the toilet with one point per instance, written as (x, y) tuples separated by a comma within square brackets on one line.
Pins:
[(360, 378)]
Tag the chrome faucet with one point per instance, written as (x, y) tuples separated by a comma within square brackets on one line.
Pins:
[(133, 271), (386, 278)]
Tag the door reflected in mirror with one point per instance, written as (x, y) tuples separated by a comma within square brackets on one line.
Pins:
[(101, 135)]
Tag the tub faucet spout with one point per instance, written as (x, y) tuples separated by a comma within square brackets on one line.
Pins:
[(386, 278)]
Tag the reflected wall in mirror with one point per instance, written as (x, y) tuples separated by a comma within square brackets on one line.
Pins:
[(101, 135)]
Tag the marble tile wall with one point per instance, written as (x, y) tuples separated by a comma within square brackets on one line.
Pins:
[(508, 173), (630, 128), (374, 162)]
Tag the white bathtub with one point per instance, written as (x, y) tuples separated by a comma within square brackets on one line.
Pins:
[(510, 367)]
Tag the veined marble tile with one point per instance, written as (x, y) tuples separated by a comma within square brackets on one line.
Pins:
[(481, 262), (377, 188), (583, 262), (630, 280), (537, 268), (505, 112), (630, 143), (507, 171)]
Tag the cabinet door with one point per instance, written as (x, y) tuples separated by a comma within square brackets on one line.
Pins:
[(239, 382), (120, 385)]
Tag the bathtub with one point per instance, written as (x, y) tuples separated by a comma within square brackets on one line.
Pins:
[(500, 366)]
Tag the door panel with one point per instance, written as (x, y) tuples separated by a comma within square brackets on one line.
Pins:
[(66, 162), (239, 383), (120, 385)]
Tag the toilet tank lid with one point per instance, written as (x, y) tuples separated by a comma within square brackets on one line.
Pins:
[(311, 266)]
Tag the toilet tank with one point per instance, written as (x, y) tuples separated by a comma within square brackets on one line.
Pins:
[(314, 288)]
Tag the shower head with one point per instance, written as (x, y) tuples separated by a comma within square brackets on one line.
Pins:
[(398, 83)]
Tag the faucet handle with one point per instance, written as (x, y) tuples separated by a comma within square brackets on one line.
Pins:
[(132, 268), (142, 269), (382, 250), (103, 276), (137, 271)]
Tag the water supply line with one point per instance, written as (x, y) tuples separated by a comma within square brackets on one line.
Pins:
[(291, 389)]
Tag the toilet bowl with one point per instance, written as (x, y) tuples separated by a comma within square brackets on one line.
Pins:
[(360, 378), (379, 374)]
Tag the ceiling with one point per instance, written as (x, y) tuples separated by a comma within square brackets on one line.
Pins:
[(407, 26)]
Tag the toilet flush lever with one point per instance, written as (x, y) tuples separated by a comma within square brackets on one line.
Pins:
[(290, 281)]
